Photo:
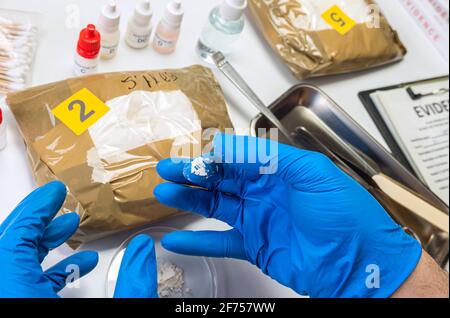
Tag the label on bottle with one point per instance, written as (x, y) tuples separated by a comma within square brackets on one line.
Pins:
[(138, 40), (165, 43), (109, 51), (84, 66)]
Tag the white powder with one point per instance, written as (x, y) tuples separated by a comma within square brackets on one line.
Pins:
[(135, 120), (170, 280), (198, 166), (141, 118)]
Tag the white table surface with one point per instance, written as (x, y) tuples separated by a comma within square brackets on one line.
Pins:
[(252, 58)]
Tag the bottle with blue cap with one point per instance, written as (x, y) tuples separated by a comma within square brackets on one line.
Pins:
[(225, 24)]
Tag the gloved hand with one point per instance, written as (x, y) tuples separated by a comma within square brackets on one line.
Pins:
[(309, 225), (26, 237), (28, 234), (137, 275)]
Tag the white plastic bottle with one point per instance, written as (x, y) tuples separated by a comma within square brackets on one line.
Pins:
[(140, 26), (168, 30), (108, 25), (2, 131), (225, 25), (88, 51)]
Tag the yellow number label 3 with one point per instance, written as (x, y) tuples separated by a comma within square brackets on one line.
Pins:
[(338, 20), (80, 111)]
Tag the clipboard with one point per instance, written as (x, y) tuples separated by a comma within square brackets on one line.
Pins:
[(374, 113)]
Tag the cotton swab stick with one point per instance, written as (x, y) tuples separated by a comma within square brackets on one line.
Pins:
[(12, 75), (15, 72), (10, 86), (18, 41)]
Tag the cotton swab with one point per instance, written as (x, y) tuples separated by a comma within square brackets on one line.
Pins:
[(17, 46)]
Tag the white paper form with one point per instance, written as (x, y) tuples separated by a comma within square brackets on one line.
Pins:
[(421, 128)]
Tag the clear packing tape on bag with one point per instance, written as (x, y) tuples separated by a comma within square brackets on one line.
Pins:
[(136, 120), (322, 37), (110, 170)]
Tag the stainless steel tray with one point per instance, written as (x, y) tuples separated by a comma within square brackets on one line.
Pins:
[(290, 110)]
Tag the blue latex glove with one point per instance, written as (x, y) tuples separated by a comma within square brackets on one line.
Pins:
[(309, 226), (26, 237), (138, 275)]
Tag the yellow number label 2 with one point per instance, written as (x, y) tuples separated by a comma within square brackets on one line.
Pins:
[(338, 20), (80, 111)]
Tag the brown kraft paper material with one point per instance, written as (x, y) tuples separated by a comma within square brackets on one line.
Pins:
[(313, 53), (56, 153)]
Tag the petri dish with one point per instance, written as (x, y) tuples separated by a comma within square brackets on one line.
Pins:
[(199, 273)]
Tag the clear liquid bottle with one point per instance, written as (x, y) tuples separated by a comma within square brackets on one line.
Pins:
[(225, 24)]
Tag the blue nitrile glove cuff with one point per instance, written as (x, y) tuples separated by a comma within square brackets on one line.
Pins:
[(378, 271)]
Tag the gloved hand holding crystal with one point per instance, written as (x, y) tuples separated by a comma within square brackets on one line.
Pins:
[(303, 221)]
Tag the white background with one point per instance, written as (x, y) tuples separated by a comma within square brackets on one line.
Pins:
[(252, 58)]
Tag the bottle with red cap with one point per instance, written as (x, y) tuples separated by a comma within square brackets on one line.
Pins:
[(88, 49), (2, 131)]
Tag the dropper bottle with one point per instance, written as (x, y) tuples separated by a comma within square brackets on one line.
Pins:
[(168, 29), (87, 52), (140, 26), (225, 24), (108, 25)]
